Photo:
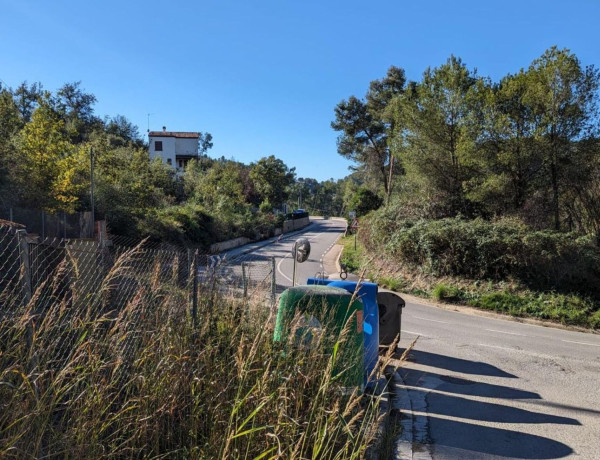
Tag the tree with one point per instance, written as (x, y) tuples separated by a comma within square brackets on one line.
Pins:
[(435, 115), (364, 201), (365, 129), (271, 178), (45, 166), (9, 127), (220, 188), (563, 99), (122, 131), (26, 98), (77, 109), (505, 161), (205, 142)]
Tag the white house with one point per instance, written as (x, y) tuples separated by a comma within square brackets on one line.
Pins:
[(175, 148)]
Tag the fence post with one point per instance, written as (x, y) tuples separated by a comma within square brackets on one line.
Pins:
[(244, 280), (195, 288), (273, 283), (25, 265)]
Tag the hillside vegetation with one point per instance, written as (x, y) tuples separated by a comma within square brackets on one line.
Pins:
[(490, 189)]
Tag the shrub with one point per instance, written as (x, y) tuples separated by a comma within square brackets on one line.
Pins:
[(443, 292), (479, 249)]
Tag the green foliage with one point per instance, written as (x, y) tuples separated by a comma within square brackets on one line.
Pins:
[(477, 249), (45, 161), (185, 224), (271, 179), (437, 140), (566, 309), (365, 129), (443, 292), (352, 258), (364, 201), (392, 283)]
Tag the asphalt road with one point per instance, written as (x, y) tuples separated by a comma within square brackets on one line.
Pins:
[(322, 235), (489, 388), (483, 387)]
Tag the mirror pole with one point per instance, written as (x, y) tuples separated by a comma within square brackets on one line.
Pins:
[(295, 262)]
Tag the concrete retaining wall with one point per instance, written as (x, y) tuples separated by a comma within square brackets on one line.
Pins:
[(229, 244), (296, 224)]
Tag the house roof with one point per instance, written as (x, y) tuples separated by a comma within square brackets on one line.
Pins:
[(181, 134)]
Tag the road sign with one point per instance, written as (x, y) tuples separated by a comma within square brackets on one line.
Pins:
[(354, 224)]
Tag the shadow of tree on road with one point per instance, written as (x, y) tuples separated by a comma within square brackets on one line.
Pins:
[(456, 364), (476, 441)]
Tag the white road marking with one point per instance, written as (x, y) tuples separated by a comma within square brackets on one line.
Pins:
[(496, 346), (279, 268), (432, 320), (505, 332), (415, 333), (582, 343)]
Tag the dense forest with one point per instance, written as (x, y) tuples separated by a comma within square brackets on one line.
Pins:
[(46, 142)]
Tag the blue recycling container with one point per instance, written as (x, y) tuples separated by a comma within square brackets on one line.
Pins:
[(368, 295)]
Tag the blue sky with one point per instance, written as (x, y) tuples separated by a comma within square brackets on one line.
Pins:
[(264, 76)]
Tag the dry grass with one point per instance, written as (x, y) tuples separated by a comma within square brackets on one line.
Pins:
[(84, 377)]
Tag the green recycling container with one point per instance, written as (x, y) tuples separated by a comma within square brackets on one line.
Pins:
[(308, 312)]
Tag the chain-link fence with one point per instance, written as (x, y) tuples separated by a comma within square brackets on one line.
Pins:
[(107, 275), (48, 225)]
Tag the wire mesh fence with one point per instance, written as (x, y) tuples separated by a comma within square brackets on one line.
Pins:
[(106, 276)]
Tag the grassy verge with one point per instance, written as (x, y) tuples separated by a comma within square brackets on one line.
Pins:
[(353, 254), (81, 380), (506, 298)]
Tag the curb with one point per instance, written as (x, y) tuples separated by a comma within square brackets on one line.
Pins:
[(381, 390), (403, 449)]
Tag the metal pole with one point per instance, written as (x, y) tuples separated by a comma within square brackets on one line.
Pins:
[(26, 266), (295, 262), (92, 188), (273, 282), (244, 280)]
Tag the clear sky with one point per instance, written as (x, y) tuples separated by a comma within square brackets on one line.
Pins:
[(264, 76)]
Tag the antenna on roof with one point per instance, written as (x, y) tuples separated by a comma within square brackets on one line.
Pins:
[(149, 122)]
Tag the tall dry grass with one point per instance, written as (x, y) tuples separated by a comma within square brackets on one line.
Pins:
[(84, 376)]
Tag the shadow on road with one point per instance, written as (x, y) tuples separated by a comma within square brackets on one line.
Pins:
[(455, 406), (452, 384), (455, 364), (466, 440)]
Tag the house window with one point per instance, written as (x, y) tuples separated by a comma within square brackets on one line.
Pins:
[(158, 146), (181, 164)]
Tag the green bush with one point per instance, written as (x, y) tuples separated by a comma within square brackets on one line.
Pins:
[(566, 309), (444, 292), (478, 249)]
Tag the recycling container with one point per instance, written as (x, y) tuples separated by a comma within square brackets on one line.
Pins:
[(303, 313), (367, 293)]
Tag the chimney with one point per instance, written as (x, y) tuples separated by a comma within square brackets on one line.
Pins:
[(164, 128)]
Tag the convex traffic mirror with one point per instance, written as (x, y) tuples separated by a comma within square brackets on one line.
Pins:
[(301, 250)]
